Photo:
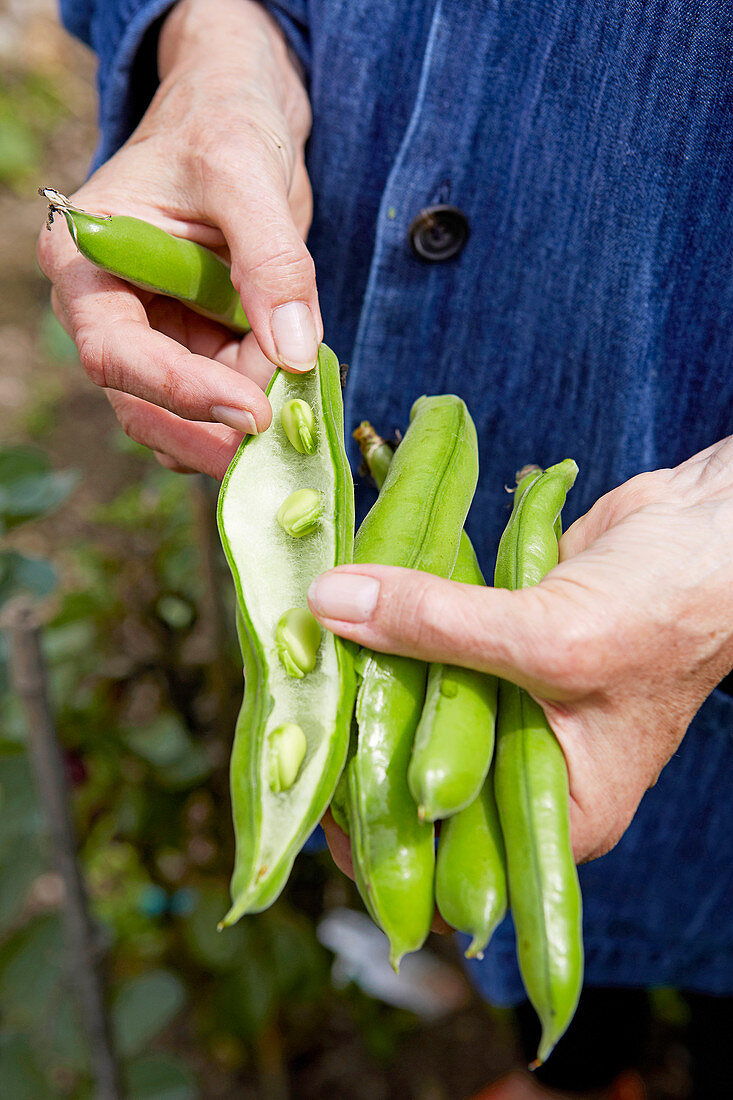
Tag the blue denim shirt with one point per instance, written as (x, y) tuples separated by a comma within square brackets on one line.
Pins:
[(590, 314)]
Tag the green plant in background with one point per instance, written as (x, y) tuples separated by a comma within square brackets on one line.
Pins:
[(144, 690), (29, 489)]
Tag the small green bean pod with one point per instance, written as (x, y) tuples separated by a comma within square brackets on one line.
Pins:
[(454, 742), (470, 873), (148, 257), (531, 785), (416, 523)]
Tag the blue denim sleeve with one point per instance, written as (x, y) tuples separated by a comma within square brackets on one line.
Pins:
[(123, 34)]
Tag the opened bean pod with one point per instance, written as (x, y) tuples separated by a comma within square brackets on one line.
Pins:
[(292, 734)]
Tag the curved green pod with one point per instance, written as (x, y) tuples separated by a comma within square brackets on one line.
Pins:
[(470, 871), (416, 523), (150, 258), (272, 572), (531, 786), (392, 851), (429, 482), (454, 741)]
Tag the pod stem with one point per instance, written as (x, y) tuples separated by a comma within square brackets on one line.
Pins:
[(59, 204), (376, 451)]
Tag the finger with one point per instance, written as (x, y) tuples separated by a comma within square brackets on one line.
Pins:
[(205, 337), (403, 611), (172, 464), (251, 361), (271, 266), (208, 448), (338, 844)]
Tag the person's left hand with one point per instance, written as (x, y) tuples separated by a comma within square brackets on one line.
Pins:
[(620, 643)]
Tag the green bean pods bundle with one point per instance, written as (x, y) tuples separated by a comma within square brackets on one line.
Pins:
[(470, 875), (150, 258), (531, 785), (416, 523), (293, 730)]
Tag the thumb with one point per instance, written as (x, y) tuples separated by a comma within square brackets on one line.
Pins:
[(414, 614), (270, 265)]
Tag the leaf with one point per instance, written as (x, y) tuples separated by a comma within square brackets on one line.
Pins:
[(28, 487), (143, 1006), (161, 742), (166, 744), (31, 497), (21, 462), (160, 1077), (20, 816), (19, 869), (19, 573), (20, 1076), (31, 965)]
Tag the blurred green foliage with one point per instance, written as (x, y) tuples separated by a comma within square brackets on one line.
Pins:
[(30, 108), (145, 685)]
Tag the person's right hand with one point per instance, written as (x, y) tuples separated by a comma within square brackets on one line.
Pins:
[(218, 158)]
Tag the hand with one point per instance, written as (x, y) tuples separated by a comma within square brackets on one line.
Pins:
[(217, 158), (620, 643)]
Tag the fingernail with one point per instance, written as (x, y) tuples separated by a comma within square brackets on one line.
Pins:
[(239, 419), (346, 596), (294, 333)]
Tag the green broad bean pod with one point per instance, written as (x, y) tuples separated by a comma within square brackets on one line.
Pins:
[(470, 872), (531, 785), (296, 675), (416, 523), (148, 257), (454, 742)]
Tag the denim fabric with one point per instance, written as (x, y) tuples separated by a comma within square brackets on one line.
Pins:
[(590, 315)]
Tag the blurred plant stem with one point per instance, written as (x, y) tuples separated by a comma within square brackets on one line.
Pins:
[(29, 681)]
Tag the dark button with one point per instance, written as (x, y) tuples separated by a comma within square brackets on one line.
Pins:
[(438, 233)]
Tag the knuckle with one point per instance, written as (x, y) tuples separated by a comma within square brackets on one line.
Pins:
[(420, 613), (280, 265)]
